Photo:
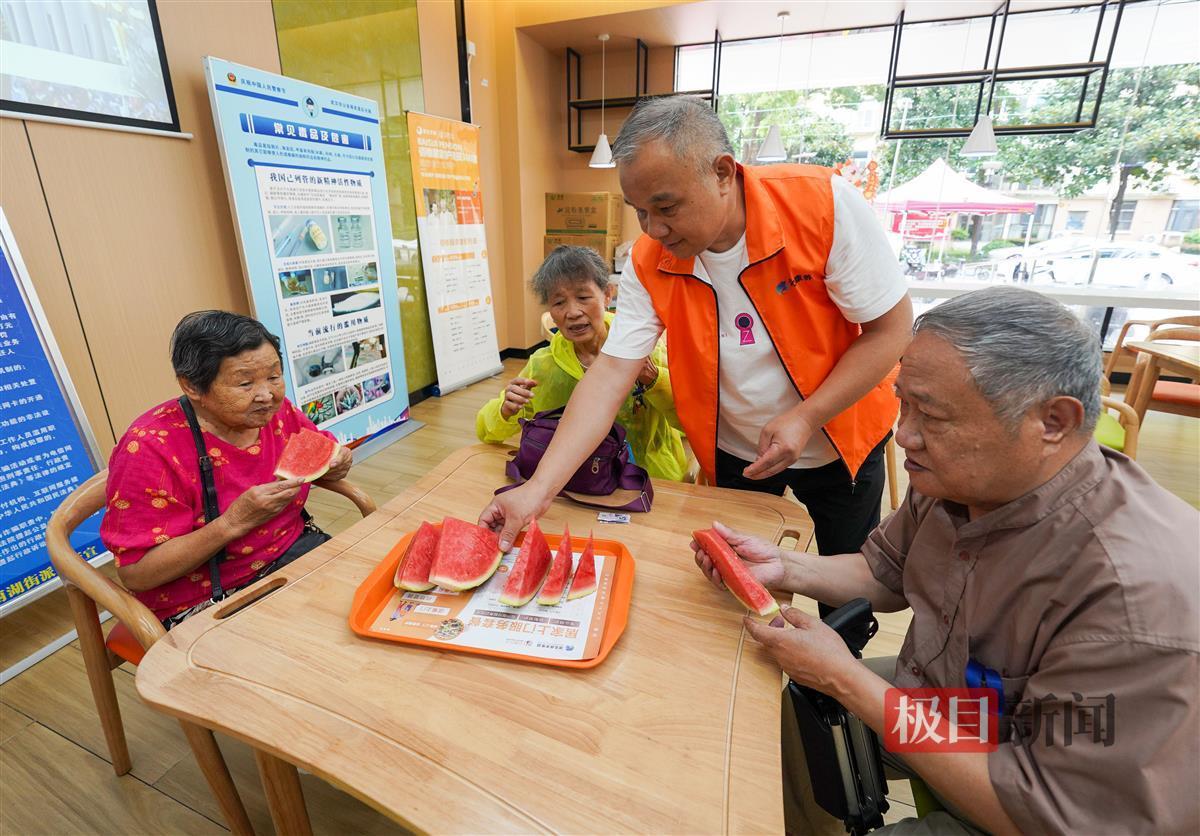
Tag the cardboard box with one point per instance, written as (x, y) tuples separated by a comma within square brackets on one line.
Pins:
[(595, 212), (603, 244)]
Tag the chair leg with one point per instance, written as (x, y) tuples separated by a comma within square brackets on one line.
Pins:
[(212, 764), (285, 798), (889, 454), (95, 661)]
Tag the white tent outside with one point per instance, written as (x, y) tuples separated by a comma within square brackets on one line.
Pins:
[(940, 188)]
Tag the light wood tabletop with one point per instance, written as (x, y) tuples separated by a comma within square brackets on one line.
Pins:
[(677, 731)]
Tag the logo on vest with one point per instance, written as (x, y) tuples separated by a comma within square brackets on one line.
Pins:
[(787, 284), (745, 325)]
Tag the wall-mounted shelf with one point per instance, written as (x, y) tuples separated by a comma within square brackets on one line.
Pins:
[(641, 90)]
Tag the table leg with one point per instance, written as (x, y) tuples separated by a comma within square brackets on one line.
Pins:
[(285, 798), (212, 764)]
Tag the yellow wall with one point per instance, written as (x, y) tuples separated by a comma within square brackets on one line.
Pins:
[(142, 222)]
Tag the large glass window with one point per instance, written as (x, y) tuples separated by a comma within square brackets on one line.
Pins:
[(1143, 156)]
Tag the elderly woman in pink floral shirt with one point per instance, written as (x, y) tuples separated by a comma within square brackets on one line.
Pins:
[(229, 368)]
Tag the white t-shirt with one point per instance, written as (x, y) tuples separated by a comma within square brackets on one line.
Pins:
[(862, 277)]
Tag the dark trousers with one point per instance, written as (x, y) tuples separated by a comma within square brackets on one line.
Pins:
[(843, 512)]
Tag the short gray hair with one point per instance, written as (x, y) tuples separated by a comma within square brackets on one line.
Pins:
[(1022, 349), (569, 264), (686, 123)]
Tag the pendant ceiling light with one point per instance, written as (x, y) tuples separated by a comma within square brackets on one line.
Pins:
[(602, 156), (772, 150), (982, 141)]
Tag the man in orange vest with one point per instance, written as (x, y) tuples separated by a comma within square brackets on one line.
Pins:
[(784, 310)]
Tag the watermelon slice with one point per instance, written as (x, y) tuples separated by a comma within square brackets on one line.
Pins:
[(738, 580), (528, 573), (306, 456), (466, 555), (560, 572), (584, 582), (413, 572)]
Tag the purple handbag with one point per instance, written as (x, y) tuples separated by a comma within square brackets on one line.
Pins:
[(606, 479)]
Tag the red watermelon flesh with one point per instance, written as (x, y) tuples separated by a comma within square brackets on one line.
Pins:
[(584, 582), (528, 573), (738, 580), (306, 456), (413, 572), (466, 555), (560, 572)]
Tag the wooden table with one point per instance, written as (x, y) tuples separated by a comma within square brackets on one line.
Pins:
[(676, 732), (1182, 360)]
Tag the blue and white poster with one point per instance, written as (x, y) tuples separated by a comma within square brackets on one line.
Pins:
[(46, 448), (304, 168)]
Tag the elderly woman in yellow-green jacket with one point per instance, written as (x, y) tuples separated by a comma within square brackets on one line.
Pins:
[(573, 284)]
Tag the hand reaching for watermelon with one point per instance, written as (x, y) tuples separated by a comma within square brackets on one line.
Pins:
[(259, 504), (764, 560)]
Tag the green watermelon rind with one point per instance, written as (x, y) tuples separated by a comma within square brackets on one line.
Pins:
[(534, 588), (462, 584), (454, 586), (314, 473)]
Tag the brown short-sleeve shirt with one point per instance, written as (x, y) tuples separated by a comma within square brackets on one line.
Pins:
[(1084, 595)]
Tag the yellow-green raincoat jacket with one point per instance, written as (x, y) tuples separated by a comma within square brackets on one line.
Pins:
[(650, 423)]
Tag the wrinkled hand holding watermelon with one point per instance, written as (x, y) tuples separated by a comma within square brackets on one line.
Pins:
[(738, 580), (306, 456), (466, 555)]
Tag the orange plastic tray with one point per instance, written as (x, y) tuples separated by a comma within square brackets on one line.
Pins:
[(374, 593)]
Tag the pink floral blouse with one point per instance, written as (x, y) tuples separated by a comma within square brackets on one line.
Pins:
[(154, 494)]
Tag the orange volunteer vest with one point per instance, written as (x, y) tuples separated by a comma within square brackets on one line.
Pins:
[(789, 232)]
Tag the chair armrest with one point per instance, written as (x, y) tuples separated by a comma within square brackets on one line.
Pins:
[(355, 494)]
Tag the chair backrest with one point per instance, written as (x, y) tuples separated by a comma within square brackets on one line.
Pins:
[(84, 501), (549, 329), (1179, 332), (89, 498), (1151, 325)]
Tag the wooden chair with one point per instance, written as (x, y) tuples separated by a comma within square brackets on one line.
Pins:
[(137, 629), (549, 329), (1168, 395)]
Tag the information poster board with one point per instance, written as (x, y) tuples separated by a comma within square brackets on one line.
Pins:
[(458, 286), (46, 447), (304, 168)]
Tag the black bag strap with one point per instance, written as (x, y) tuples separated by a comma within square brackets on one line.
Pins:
[(208, 491)]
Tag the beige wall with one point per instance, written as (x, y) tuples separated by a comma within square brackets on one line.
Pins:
[(518, 100), (143, 222)]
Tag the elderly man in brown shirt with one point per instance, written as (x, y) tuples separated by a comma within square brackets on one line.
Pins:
[(1025, 547)]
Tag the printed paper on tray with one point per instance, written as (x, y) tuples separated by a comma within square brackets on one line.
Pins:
[(476, 618)]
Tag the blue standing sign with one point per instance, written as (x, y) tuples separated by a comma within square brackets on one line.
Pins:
[(46, 448), (305, 173)]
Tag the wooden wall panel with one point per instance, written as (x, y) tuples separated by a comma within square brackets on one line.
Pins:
[(25, 207), (144, 221)]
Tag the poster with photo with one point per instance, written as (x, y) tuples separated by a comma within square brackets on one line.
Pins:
[(304, 167), (458, 286)]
